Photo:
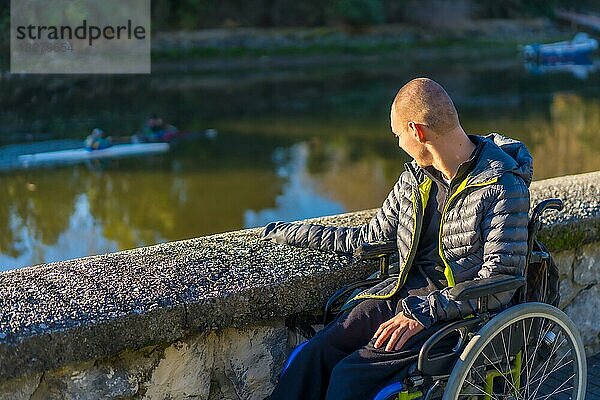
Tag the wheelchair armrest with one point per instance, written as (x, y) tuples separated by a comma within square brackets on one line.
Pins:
[(371, 250), (434, 362), (478, 288)]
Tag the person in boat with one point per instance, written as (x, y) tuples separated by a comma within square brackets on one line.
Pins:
[(458, 213), (157, 130), (97, 140)]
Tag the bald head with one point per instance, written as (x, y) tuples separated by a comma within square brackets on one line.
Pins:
[(424, 101)]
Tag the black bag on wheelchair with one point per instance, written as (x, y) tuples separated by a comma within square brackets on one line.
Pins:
[(543, 280)]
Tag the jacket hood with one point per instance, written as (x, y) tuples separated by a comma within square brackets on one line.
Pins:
[(501, 154)]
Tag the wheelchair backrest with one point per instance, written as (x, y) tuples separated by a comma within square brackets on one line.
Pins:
[(542, 274)]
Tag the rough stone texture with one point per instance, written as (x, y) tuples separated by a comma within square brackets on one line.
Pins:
[(568, 289), (564, 260), (250, 362), (20, 388), (200, 318), (185, 370), (114, 377), (587, 265), (231, 364), (584, 313), (227, 364)]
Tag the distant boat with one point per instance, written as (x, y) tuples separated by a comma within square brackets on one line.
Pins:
[(576, 50), (80, 155), (54, 152)]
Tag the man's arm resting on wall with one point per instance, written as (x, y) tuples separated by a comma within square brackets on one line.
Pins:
[(382, 226), (504, 233)]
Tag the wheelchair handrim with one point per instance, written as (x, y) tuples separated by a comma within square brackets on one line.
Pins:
[(499, 323)]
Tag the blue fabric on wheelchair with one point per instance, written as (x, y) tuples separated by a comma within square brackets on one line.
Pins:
[(293, 355), (389, 390)]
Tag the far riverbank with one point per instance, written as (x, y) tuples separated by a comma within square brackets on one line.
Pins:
[(233, 48)]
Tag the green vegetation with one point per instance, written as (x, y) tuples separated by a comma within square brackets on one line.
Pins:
[(471, 46), (202, 14), (4, 27), (520, 8), (359, 12), (568, 237)]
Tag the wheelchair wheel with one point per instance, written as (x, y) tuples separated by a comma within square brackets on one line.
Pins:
[(531, 351)]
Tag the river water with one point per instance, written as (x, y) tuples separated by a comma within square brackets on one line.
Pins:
[(291, 144)]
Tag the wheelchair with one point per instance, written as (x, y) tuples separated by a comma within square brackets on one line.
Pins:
[(529, 350)]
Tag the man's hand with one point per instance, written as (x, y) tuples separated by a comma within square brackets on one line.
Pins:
[(398, 329), (266, 232)]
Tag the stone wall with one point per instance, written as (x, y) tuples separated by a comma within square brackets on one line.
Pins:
[(224, 364), (573, 237), (205, 318), (580, 291)]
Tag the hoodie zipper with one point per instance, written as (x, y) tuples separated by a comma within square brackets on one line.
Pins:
[(448, 273)]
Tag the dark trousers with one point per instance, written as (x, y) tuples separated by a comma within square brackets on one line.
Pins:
[(340, 362)]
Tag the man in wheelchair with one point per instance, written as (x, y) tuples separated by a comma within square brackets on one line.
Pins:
[(457, 215)]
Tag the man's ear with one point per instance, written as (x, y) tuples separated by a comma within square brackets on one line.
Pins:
[(418, 130)]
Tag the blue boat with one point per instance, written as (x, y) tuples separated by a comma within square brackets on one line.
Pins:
[(577, 50)]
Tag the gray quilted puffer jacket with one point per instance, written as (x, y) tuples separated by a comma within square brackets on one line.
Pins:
[(483, 229)]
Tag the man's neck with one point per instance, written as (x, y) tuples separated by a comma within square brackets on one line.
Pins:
[(453, 149)]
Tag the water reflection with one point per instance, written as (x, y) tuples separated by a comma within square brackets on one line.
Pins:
[(128, 203), (579, 70), (568, 140), (299, 198), (82, 235)]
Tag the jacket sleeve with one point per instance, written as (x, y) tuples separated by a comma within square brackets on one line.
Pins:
[(504, 234), (382, 226)]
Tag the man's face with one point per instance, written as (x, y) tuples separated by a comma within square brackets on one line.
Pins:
[(408, 141)]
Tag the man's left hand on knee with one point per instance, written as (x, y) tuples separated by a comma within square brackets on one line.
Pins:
[(398, 330)]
